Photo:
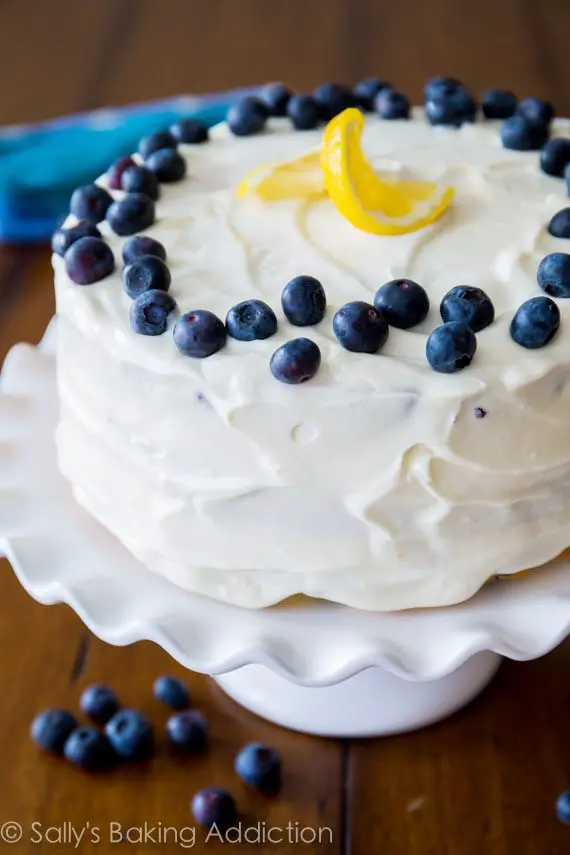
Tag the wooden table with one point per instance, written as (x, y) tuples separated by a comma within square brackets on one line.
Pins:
[(485, 780)]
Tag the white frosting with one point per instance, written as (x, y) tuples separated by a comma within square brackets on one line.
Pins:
[(374, 484)]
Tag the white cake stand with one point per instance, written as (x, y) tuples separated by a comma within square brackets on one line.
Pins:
[(311, 666)]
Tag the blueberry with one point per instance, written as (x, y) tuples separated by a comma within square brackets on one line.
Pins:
[(536, 110), (89, 749), (520, 134), (187, 731), (453, 110), (99, 703), (563, 807), (296, 361), (402, 302), (115, 172), (145, 274), (441, 87), (167, 164), (139, 245), (553, 274), (451, 347), (467, 305), (214, 806), (50, 729), (304, 301), (155, 142), (172, 692), (199, 333), (555, 156), (360, 327), (498, 104), (149, 312), (333, 98), (559, 225), (133, 213), (131, 735), (391, 104), (535, 322), (63, 238), (276, 97), (90, 203), (89, 260), (189, 131), (304, 112), (251, 320), (139, 179), (260, 767), (247, 117), (366, 90)]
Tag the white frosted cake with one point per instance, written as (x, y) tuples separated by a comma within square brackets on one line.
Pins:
[(381, 482)]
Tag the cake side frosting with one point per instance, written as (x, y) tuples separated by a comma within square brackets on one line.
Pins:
[(379, 483)]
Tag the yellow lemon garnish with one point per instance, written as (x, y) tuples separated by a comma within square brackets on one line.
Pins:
[(300, 177), (366, 201)]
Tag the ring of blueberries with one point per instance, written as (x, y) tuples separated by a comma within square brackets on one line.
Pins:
[(359, 327)]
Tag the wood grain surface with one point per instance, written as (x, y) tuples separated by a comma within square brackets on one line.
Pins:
[(483, 781)]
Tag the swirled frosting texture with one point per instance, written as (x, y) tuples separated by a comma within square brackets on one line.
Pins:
[(380, 483)]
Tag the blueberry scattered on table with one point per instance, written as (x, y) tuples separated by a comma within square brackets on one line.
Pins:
[(51, 728), (63, 238), (187, 731), (155, 142), (89, 260), (89, 749), (131, 735), (555, 156), (251, 320), (133, 213), (296, 361), (521, 134), (99, 702), (366, 91), (536, 110), (247, 116), (559, 225), (333, 98), (304, 112), (563, 807), (145, 274), (403, 303), (172, 692), (304, 301), (468, 305), (260, 766), (498, 104), (451, 347), (167, 164), (189, 131), (199, 334), (90, 203), (276, 97), (150, 312), (553, 274), (214, 806), (139, 245), (139, 179), (360, 327), (391, 104), (535, 323), (115, 171)]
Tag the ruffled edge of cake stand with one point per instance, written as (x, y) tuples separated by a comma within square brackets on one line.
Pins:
[(61, 554)]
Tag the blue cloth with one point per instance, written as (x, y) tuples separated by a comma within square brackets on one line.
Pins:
[(40, 165)]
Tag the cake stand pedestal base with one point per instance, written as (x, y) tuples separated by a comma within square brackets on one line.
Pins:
[(371, 703)]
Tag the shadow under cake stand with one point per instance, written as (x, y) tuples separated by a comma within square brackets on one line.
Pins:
[(311, 666)]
